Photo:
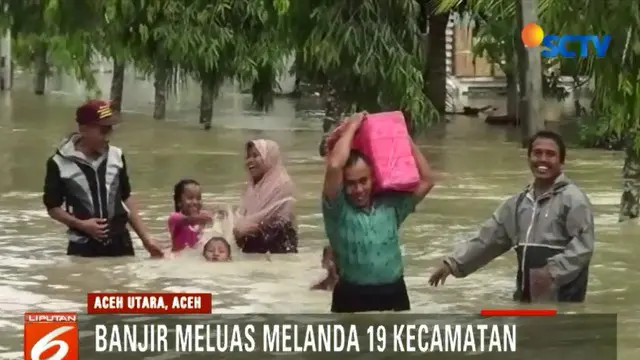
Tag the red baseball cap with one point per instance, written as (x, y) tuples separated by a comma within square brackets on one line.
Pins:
[(96, 112)]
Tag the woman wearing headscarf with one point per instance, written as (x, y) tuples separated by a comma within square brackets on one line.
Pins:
[(265, 222)]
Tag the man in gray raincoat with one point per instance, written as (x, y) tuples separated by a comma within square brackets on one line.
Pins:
[(550, 226)]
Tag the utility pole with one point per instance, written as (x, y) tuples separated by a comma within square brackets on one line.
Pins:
[(529, 74), (5, 61)]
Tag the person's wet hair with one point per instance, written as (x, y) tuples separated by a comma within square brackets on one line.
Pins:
[(547, 134), (249, 146), (354, 156), (178, 190)]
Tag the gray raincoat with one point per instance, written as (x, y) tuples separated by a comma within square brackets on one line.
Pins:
[(555, 230)]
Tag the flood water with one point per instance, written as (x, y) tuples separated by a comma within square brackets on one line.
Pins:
[(481, 166)]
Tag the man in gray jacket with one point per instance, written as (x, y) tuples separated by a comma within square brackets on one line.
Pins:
[(550, 226)]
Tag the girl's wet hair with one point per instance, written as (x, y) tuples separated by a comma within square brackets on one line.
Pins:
[(214, 239), (178, 190)]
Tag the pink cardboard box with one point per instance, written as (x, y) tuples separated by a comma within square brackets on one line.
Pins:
[(384, 139)]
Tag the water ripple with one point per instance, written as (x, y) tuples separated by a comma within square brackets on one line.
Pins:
[(481, 172)]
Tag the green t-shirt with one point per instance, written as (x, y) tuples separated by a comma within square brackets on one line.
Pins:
[(365, 241)]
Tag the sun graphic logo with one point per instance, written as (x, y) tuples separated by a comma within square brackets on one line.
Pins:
[(532, 35), (566, 45)]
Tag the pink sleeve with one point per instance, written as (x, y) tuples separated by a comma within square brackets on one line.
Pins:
[(175, 222)]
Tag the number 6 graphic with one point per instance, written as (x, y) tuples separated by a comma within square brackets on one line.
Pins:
[(48, 341)]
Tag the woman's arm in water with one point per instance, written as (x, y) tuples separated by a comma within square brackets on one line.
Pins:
[(337, 158)]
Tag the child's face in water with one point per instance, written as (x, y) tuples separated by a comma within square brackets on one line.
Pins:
[(191, 200), (217, 250)]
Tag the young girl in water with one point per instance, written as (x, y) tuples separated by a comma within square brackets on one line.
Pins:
[(217, 249), (332, 272), (188, 220)]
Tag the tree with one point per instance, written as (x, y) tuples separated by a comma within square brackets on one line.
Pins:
[(367, 54), (495, 39), (52, 33), (140, 33), (226, 40), (616, 78), (116, 23), (436, 66)]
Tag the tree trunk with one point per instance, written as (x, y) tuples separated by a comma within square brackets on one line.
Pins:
[(577, 94), (512, 94), (297, 66), (207, 95), (297, 91), (41, 69), (6, 62), (117, 85), (161, 75), (630, 201), (334, 110), (437, 61), (530, 69), (521, 73)]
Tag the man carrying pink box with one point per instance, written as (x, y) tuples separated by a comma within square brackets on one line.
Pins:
[(364, 204)]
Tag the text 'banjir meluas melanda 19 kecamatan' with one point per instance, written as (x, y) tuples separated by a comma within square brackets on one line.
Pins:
[(198, 336)]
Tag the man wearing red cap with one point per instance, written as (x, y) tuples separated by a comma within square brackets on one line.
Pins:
[(89, 176)]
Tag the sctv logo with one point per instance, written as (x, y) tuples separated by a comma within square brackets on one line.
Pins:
[(556, 45)]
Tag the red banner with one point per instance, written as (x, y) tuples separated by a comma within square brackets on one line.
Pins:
[(518, 312), (149, 303)]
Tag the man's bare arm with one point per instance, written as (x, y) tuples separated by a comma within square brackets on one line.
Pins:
[(337, 157)]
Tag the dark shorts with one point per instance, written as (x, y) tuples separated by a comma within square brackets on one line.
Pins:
[(350, 298), (118, 246)]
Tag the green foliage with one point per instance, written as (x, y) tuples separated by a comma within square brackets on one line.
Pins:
[(595, 132), (368, 51), (212, 42), (495, 40), (617, 76), (63, 31), (614, 121)]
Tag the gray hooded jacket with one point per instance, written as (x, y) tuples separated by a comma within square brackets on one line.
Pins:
[(555, 230)]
